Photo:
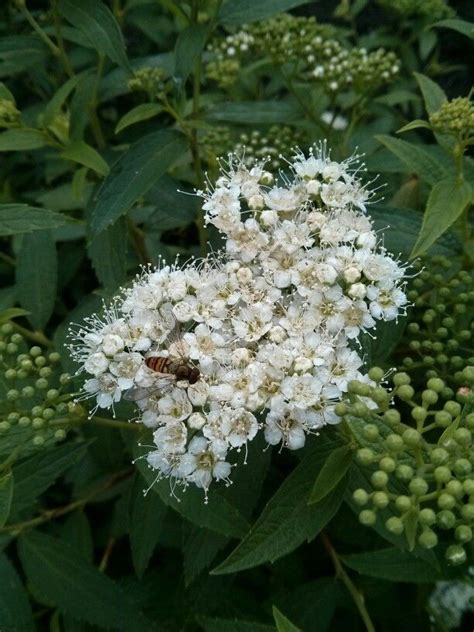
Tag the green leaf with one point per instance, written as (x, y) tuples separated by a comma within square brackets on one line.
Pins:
[(34, 475), (21, 218), (174, 209), (233, 625), (415, 158), (53, 108), (6, 494), (257, 112), (140, 113), (282, 623), (335, 468), (287, 520), (19, 53), (392, 564), (311, 605), (414, 125), (199, 551), (188, 49), (76, 587), (218, 515), (15, 609), (98, 26), (108, 254), (146, 519), (84, 154), (446, 202), (242, 11), (410, 523), (11, 313), (22, 139), (433, 95), (461, 26), (133, 174), (36, 276)]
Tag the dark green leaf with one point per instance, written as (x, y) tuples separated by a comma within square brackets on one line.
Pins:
[(242, 11), (84, 154), (76, 530), (21, 218), (54, 106), (446, 202), (76, 587), (189, 46), (6, 494), (258, 112), (10, 313), (415, 158), (174, 209), (133, 174), (335, 468), (22, 139), (36, 276), (35, 474), (282, 623), (287, 520), (311, 605), (461, 26), (98, 26), (217, 515), (146, 519), (15, 610), (414, 125), (392, 564), (433, 95), (140, 113), (233, 625), (199, 551), (108, 253), (19, 53)]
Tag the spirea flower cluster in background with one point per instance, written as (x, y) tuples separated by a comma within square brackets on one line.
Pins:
[(311, 48), (270, 326)]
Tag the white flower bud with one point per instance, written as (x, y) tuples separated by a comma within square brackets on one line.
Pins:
[(313, 187), (269, 218), (96, 363), (240, 356), (256, 202), (183, 311), (196, 421), (357, 290), (266, 178), (244, 275), (303, 364), (277, 334), (352, 274)]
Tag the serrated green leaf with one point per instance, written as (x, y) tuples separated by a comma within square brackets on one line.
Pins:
[(85, 155), (414, 125), (446, 202), (461, 26), (283, 624), (6, 495), (108, 254), (392, 564), (257, 112), (11, 313), (76, 587), (287, 520), (36, 276), (133, 174), (15, 609), (217, 515), (334, 468), (243, 11), (35, 474), (140, 113), (22, 139), (415, 158), (98, 26), (188, 49), (146, 519), (21, 218)]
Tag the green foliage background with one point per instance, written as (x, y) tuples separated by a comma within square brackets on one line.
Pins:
[(107, 110)]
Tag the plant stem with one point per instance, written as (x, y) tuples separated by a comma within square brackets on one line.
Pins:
[(94, 119), (37, 28), (356, 595), (50, 514), (98, 421), (34, 336), (59, 37)]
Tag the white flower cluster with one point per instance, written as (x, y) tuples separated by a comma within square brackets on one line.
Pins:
[(268, 328)]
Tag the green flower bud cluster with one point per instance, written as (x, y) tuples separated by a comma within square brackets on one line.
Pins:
[(59, 125), (9, 114), (455, 117), (257, 145), (418, 455), (311, 49), (441, 327), (35, 407), (149, 80), (432, 9)]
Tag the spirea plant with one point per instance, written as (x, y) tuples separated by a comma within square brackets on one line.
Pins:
[(236, 299)]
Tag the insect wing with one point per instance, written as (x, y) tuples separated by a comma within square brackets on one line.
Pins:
[(161, 386)]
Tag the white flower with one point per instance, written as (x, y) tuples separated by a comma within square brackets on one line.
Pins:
[(96, 363), (171, 438)]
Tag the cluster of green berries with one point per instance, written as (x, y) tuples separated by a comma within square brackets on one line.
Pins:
[(312, 50), (277, 141), (441, 328), (149, 80), (9, 114), (36, 405), (420, 460), (455, 117), (432, 9)]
